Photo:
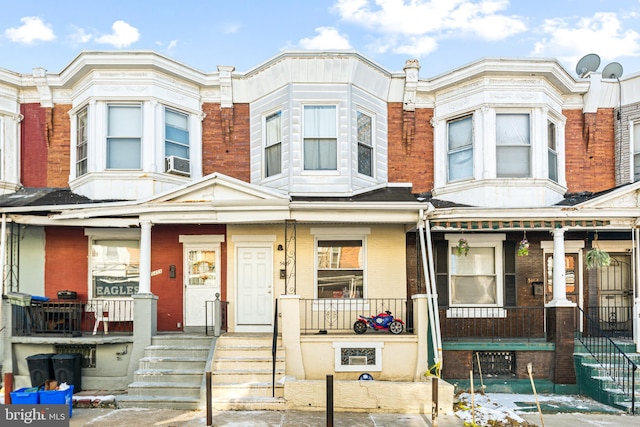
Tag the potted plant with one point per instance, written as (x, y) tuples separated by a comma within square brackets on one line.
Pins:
[(523, 247), (597, 258), (462, 248)]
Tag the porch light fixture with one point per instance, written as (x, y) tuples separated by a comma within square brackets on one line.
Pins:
[(280, 248)]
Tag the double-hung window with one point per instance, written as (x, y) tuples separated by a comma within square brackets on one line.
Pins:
[(339, 268), (513, 146), (553, 152), (81, 142), (273, 145), (176, 134), (124, 137), (365, 145), (115, 267), (636, 151), (460, 148), (320, 138)]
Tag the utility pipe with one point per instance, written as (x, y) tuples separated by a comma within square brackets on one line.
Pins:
[(430, 306), (434, 290), (3, 249)]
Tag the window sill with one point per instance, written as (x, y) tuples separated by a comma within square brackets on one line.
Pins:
[(476, 312)]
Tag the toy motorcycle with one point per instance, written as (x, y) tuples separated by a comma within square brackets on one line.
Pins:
[(382, 321)]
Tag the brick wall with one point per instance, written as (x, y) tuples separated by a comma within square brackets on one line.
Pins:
[(225, 141), (590, 149), (66, 261), (33, 145), (59, 148), (458, 363), (410, 141)]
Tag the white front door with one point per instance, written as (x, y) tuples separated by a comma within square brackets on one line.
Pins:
[(201, 282), (255, 288)]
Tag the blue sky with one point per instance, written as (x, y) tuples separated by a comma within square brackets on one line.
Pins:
[(442, 34)]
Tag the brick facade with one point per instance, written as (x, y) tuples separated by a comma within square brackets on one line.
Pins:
[(226, 141), (34, 130)]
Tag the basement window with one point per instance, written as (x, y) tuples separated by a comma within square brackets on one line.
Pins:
[(494, 364), (358, 357)]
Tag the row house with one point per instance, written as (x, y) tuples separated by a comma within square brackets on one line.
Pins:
[(144, 200)]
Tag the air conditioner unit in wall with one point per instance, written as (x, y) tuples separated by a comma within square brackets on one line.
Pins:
[(177, 166)]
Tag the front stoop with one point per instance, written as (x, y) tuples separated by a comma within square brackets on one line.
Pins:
[(595, 381), (170, 373), (242, 373)]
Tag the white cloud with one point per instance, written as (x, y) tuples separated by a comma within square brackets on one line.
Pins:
[(327, 38), (79, 36), (602, 34), (417, 25), (33, 29), (123, 35), (172, 44), (231, 27)]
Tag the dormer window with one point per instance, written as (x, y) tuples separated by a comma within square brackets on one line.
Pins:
[(273, 145), (513, 146), (460, 148), (124, 135), (320, 138)]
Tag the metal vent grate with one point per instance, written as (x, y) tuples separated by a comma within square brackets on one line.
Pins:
[(500, 364), (88, 352)]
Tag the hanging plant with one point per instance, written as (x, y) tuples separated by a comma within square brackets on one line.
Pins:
[(597, 258), (462, 248), (523, 246)]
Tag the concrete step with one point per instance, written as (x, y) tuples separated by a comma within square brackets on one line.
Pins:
[(155, 362), (157, 402), (176, 350), (182, 340), (227, 363), (166, 389), (255, 389), (190, 376), (249, 404), (244, 375)]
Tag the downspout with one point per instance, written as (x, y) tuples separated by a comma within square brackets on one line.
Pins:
[(3, 249), (432, 297)]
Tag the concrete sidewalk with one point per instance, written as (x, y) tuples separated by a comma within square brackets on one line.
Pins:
[(174, 418)]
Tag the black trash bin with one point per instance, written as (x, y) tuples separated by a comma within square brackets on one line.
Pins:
[(40, 368), (68, 369)]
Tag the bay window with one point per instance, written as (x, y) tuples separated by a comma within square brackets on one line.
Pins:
[(124, 136), (340, 268), (460, 148), (552, 152), (636, 152), (273, 145), (365, 144), (81, 142), (513, 146), (176, 134), (320, 137)]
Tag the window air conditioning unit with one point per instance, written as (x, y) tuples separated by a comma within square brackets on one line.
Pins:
[(177, 166)]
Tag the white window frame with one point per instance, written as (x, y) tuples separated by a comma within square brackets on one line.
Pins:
[(494, 241), (2, 148), (109, 138), (366, 145), (96, 234), (272, 145), (521, 147), (552, 151), (634, 148), (326, 138), (359, 234), (82, 144), (462, 149), (186, 129)]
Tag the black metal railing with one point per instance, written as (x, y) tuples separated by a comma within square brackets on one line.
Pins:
[(339, 315), (609, 355), (210, 316), (73, 317), (492, 323), (274, 349), (617, 321)]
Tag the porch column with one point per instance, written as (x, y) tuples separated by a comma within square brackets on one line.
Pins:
[(145, 258), (559, 271), (290, 327), (421, 329)]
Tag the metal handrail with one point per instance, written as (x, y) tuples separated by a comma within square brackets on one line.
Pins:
[(274, 346), (612, 358)]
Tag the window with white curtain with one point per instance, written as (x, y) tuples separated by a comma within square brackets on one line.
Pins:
[(273, 145), (365, 144), (124, 136), (320, 137), (176, 134), (513, 146), (636, 151), (473, 278), (460, 148), (553, 152), (81, 142)]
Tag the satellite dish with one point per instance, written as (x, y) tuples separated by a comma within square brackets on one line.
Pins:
[(588, 64), (612, 71)]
